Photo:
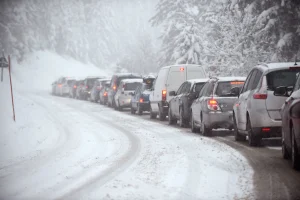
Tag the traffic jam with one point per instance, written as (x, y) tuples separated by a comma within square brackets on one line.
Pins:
[(265, 104)]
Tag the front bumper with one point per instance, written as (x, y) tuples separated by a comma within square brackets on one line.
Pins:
[(216, 120)]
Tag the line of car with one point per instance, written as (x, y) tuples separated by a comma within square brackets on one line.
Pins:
[(264, 104)]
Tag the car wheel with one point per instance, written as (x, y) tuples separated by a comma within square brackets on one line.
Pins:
[(139, 110), (171, 120), (237, 135), (161, 115), (152, 114), (295, 154), (119, 107), (284, 151), (182, 121), (204, 130), (252, 139), (132, 110), (194, 129)]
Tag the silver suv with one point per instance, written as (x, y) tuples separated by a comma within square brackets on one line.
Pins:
[(213, 108), (257, 111)]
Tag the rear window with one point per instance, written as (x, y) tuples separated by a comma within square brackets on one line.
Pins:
[(91, 82), (224, 88), (282, 78), (71, 82), (125, 77), (198, 87), (131, 86)]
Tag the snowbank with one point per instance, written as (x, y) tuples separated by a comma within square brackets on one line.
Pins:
[(35, 129), (40, 69)]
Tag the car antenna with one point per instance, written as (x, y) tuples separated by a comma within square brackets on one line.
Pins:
[(296, 61)]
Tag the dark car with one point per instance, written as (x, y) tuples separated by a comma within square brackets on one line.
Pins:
[(290, 114), (88, 84), (103, 94), (114, 84), (140, 99), (180, 104), (213, 108)]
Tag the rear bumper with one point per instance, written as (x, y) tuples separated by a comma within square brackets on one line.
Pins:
[(145, 106), (125, 102), (218, 119), (260, 118), (274, 132)]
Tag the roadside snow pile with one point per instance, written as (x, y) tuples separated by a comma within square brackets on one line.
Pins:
[(35, 129), (40, 69)]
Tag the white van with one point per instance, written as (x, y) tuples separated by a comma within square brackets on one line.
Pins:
[(169, 79)]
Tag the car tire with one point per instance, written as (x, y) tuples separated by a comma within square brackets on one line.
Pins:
[(204, 130), (152, 114), (252, 140), (194, 129), (284, 151), (182, 121), (161, 115), (237, 135), (295, 154), (171, 120), (119, 107), (139, 110)]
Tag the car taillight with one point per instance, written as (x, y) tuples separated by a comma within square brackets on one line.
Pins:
[(87, 87), (260, 96), (75, 86), (262, 92), (164, 95), (114, 87), (59, 85), (266, 129), (212, 104), (141, 100), (105, 94)]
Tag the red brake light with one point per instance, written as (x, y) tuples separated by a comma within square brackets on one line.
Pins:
[(260, 96), (164, 95), (141, 100), (105, 94), (181, 68), (212, 104), (266, 129), (75, 86), (237, 83), (87, 87), (59, 85), (114, 87)]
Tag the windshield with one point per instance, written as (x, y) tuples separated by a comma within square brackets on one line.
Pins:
[(225, 88), (131, 86), (282, 78), (151, 130)]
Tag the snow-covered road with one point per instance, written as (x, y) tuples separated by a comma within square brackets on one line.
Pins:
[(93, 152)]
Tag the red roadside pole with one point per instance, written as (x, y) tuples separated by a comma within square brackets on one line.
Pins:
[(11, 89)]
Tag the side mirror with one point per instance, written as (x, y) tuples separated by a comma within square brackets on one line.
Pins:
[(172, 93), (281, 91)]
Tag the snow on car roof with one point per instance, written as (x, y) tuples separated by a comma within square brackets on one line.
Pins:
[(231, 78), (199, 80), (126, 74), (132, 80), (181, 65), (280, 65)]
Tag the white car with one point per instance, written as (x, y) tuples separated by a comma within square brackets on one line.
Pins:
[(124, 92), (169, 79), (64, 85)]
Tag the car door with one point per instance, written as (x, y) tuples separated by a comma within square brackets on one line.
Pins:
[(176, 99), (286, 113), (243, 101), (196, 104), (183, 97)]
